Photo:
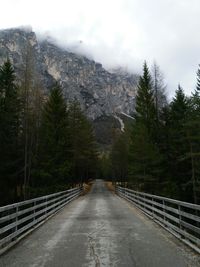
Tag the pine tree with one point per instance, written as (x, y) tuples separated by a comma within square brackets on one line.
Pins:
[(195, 99), (9, 131), (178, 162), (119, 157), (83, 149), (53, 158), (179, 107), (145, 104), (144, 160), (144, 156), (192, 128), (105, 167)]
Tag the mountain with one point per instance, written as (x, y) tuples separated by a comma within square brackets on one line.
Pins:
[(103, 95)]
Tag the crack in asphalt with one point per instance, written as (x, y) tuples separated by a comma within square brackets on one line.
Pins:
[(93, 253), (92, 245)]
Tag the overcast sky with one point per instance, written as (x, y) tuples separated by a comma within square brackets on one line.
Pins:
[(120, 32)]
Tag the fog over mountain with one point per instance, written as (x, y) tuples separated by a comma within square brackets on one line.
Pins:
[(119, 32), (105, 96)]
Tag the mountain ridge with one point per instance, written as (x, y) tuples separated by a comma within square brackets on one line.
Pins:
[(101, 93)]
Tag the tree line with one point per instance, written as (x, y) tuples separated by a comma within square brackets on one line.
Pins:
[(159, 153), (46, 145)]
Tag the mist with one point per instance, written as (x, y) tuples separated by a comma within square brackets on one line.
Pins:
[(119, 32)]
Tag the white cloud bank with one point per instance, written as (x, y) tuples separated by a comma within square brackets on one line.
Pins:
[(120, 32)]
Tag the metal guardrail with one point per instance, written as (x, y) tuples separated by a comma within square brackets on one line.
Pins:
[(182, 219), (19, 219)]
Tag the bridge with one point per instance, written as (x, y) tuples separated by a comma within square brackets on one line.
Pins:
[(98, 229)]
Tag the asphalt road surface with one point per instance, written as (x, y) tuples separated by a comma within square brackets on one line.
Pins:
[(100, 229)]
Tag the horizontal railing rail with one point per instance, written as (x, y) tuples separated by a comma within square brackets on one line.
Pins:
[(182, 219), (19, 219)]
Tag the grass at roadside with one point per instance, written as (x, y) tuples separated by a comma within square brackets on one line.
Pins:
[(110, 186), (87, 187)]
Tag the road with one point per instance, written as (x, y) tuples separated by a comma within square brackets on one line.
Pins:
[(100, 229)]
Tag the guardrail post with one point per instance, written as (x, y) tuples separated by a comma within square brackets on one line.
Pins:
[(144, 202), (133, 196), (46, 205), (118, 190), (164, 217), (180, 217), (16, 220), (34, 205), (152, 207)]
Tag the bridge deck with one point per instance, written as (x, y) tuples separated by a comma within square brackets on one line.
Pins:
[(99, 229)]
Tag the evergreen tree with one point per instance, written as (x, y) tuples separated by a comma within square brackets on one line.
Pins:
[(105, 167), (195, 99), (9, 131), (192, 128), (119, 157), (179, 107), (144, 156), (52, 166), (178, 163), (164, 148), (145, 104), (83, 149), (144, 160)]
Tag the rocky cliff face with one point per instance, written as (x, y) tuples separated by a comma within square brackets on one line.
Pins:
[(101, 93)]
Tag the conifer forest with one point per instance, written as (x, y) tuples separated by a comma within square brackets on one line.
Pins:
[(47, 144)]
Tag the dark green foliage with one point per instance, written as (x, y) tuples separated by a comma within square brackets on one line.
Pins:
[(119, 157), (192, 128), (144, 156), (145, 159), (178, 147), (83, 151), (53, 156), (67, 152), (145, 103), (163, 143), (195, 99), (9, 131), (105, 167), (47, 146), (185, 145), (179, 107)]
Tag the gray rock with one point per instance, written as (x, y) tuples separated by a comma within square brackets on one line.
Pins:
[(100, 92)]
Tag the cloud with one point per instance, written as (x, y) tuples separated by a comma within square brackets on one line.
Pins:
[(119, 32)]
